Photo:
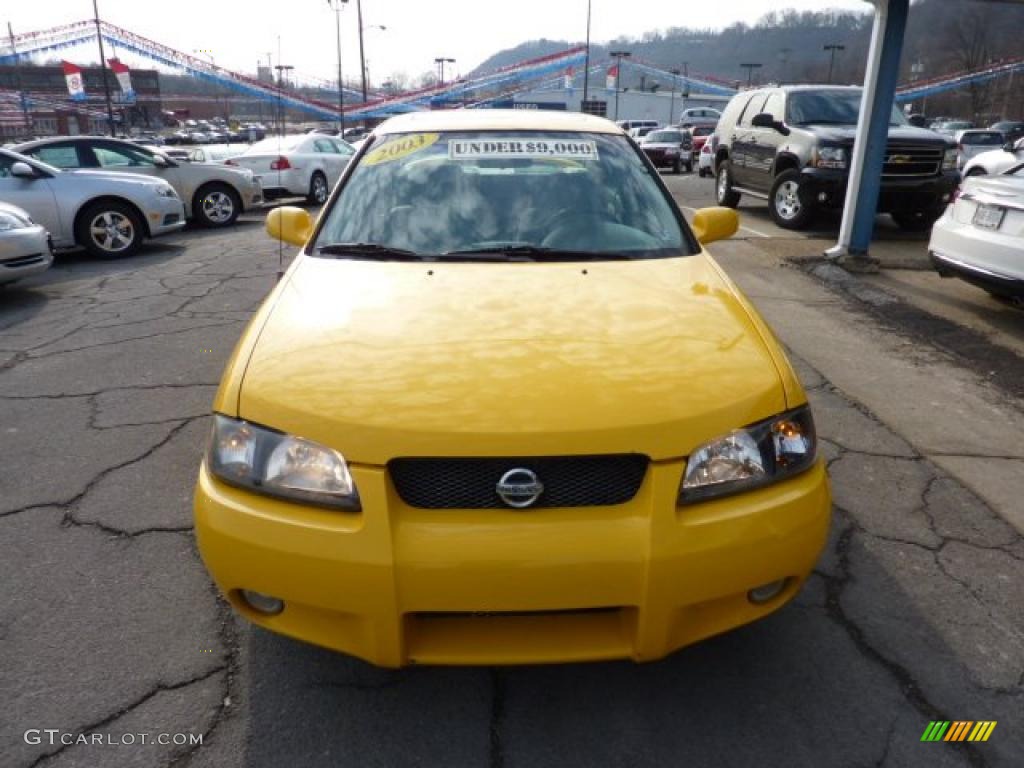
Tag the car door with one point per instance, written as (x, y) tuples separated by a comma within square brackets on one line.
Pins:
[(36, 197), (744, 140), (333, 162), (112, 156), (764, 146)]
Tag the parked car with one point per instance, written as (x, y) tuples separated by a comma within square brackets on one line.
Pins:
[(179, 154), (706, 160), (504, 408), (952, 127), (25, 247), (640, 131), (996, 160), (1011, 129), (699, 116), (213, 195), (792, 145), (670, 147), (627, 125), (973, 141), (700, 134), (306, 165), (108, 214), (980, 238), (215, 153)]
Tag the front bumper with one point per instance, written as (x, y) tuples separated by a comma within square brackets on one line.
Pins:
[(396, 585), (165, 216), (826, 188), (23, 252)]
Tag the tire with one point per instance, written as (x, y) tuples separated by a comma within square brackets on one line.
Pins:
[(109, 230), (724, 193), (786, 201), (677, 167), (216, 205), (689, 167), (977, 171), (915, 221), (318, 189)]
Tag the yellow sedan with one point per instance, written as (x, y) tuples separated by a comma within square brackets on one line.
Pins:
[(503, 408)]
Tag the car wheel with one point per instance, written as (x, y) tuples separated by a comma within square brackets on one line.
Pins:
[(216, 205), (677, 167), (786, 202), (318, 190), (915, 221), (724, 193), (689, 167), (977, 171), (109, 230)]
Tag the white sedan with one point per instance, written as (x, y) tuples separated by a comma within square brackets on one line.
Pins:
[(305, 165), (996, 160), (980, 237), (24, 245)]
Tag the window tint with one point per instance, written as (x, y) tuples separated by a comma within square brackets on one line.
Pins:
[(774, 105), (62, 156), (110, 156), (831, 107), (459, 191)]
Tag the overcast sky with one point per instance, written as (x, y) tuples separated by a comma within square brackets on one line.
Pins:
[(238, 32)]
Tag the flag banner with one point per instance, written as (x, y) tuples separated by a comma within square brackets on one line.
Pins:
[(124, 78), (613, 76), (73, 76)]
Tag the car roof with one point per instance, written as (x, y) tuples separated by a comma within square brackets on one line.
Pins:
[(496, 120)]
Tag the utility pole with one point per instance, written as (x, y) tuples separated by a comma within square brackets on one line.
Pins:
[(20, 82), (672, 103), (336, 5), (586, 61), (362, 60), (103, 68), (618, 56), (832, 48), (281, 69), (750, 67)]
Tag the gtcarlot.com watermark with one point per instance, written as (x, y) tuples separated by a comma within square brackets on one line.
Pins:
[(55, 737)]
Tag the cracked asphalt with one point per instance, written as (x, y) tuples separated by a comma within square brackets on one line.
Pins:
[(110, 625)]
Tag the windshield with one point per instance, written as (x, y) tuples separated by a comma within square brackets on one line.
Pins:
[(458, 193), (986, 139), (664, 137), (830, 108)]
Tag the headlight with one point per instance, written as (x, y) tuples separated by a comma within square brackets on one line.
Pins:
[(12, 221), (949, 160), (763, 453), (167, 192), (264, 461), (830, 157)]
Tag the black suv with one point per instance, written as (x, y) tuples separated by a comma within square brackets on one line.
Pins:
[(792, 145)]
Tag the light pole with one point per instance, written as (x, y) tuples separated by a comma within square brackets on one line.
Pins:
[(367, 82), (441, 61), (672, 102), (336, 6), (103, 68), (362, 59), (282, 114), (618, 56), (832, 48), (586, 63), (750, 67)]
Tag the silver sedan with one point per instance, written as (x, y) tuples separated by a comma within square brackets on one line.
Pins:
[(24, 245)]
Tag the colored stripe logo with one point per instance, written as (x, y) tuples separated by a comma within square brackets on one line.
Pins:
[(958, 730)]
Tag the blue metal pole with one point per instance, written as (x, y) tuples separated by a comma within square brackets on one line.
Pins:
[(872, 134)]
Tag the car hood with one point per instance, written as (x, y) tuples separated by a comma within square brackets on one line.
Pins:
[(844, 134), (384, 359)]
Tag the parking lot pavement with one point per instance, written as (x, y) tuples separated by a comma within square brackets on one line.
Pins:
[(111, 626)]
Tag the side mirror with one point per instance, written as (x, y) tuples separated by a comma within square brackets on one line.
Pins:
[(22, 170), (1009, 146), (718, 223), (161, 161), (290, 224), (764, 120)]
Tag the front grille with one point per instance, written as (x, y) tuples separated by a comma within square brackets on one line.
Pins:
[(569, 481), (23, 261), (912, 159)]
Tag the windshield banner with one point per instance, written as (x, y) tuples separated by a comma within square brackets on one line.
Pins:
[(460, 149)]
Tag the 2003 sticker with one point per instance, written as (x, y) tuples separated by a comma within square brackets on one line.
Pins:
[(399, 147)]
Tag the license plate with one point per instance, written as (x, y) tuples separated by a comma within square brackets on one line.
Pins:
[(989, 216)]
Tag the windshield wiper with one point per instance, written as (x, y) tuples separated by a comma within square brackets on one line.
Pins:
[(373, 250), (531, 253)]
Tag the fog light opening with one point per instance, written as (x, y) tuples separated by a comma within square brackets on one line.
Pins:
[(767, 592), (265, 604), (822, 197)]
